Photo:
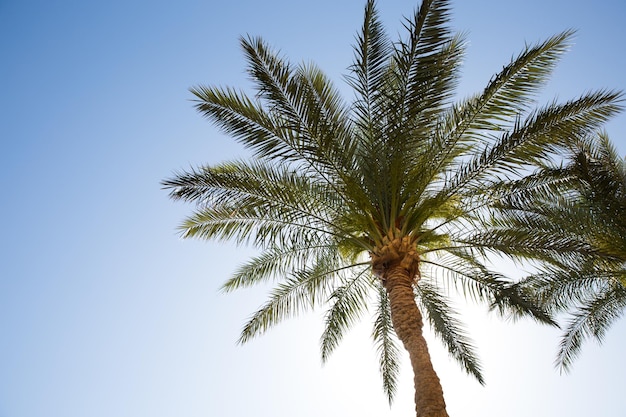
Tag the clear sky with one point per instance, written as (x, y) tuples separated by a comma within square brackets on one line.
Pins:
[(105, 312)]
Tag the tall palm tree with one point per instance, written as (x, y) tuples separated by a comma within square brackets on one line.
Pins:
[(378, 203), (589, 282)]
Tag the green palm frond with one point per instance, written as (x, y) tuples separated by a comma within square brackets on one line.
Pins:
[(257, 225), (253, 183), (274, 262), (506, 96), (371, 54), (511, 91), (299, 293), (425, 68), (246, 120), (558, 288), (526, 235), (474, 281), (386, 345), (309, 109), (531, 141), (326, 117), (256, 203), (603, 192), (348, 302), (591, 320), (444, 322), (547, 185), (467, 278)]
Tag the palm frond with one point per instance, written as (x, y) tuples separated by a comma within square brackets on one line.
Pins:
[(274, 262), (256, 226), (371, 55), (425, 67), (300, 292), (261, 200), (558, 288), (474, 281), (506, 96), (288, 98), (348, 302), (522, 235), (592, 320), (442, 319), (325, 116), (247, 121), (386, 345), (531, 142), (508, 93)]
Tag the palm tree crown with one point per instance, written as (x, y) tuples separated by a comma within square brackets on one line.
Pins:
[(378, 203)]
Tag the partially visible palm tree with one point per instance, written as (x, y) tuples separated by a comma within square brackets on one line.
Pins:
[(588, 280), (378, 204)]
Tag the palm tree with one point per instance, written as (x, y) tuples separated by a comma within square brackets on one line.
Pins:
[(378, 203), (589, 282)]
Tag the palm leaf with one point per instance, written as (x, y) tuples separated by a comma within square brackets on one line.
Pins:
[(348, 302), (446, 326), (592, 320), (301, 292), (386, 345)]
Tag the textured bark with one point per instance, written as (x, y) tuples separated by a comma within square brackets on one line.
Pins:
[(407, 322), (396, 263)]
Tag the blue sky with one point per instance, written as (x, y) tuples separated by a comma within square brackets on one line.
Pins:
[(104, 311)]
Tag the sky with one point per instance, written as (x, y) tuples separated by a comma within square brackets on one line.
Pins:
[(105, 311)]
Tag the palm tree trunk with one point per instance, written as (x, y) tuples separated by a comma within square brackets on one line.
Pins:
[(407, 322)]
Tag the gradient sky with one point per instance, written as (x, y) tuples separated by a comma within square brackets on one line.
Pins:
[(106, 312)]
